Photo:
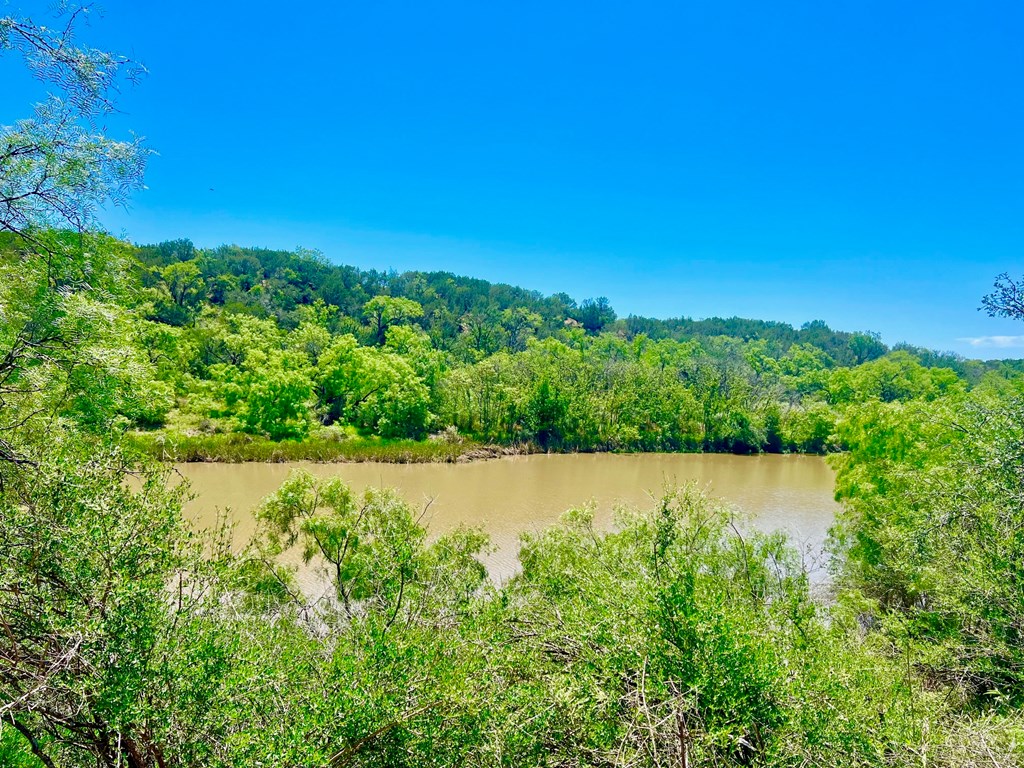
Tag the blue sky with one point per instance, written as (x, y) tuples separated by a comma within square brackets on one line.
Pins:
[(857, 162)]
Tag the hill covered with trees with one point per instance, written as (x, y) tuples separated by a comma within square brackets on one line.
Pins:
[(234, 347), (465, 315)]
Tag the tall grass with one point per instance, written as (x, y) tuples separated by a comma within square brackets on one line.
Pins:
[(238, 447)]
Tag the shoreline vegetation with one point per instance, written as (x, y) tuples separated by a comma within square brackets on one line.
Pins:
[(240, 447), (237, 447), (249, 354)]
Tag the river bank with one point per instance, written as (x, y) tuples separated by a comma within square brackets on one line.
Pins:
[(237, 447)]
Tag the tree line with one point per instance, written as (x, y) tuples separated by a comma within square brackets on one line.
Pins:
[(470, 317), (217, 348)]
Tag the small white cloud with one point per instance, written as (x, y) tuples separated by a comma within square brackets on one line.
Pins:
[(1002, 342)]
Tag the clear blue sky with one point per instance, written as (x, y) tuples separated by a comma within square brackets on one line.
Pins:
[(857, 162)]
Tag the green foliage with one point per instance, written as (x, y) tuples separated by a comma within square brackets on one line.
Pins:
[(373, 548), (932, 524), (808, 428), (65, 346), (681, 634), (389, 684), (96, 658), (896, 377), (56, 168), (677, 632), (372, 388), (321, 445), (272, 394), (470, 317), (385, 311), (400, 356), (595, 314), (180, 292), (129, 640)]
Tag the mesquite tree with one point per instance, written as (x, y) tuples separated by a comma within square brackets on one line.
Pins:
[(56, 167)]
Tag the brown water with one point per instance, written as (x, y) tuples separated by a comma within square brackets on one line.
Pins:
[(511, 495)]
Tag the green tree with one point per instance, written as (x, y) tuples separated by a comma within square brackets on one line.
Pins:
[(371, 388), (55, 167), (270, 394), (898, 376), (932, 527), (382, 312), (595, 314), (478, 335), (182, 291), (391, 683), (520, 324), (682, 639), (98, 664)]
